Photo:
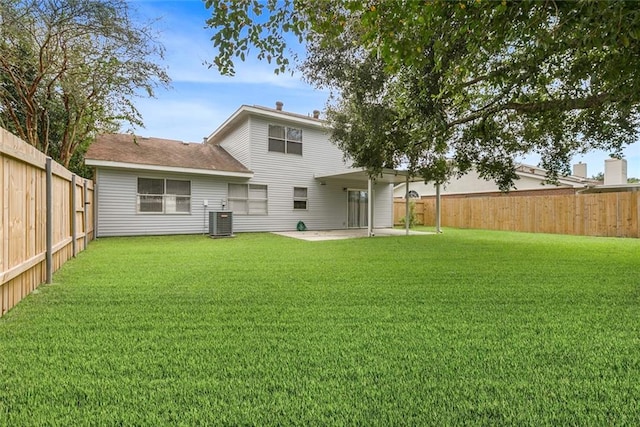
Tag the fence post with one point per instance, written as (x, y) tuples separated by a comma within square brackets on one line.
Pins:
[(84, 214), (74, 244), (49, 219)]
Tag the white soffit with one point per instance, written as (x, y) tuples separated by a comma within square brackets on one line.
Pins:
[(137, 166)]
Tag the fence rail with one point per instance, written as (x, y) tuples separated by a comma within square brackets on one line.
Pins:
[(46, 217), (599, 214)]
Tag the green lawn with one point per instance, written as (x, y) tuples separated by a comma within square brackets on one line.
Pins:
[(467, 327)]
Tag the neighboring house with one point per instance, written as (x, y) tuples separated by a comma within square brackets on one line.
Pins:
[(271, 168), (615, 179), (531, 182)]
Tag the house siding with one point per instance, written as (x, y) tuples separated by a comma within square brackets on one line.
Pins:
[(472, 183), (327, 202), (383, 202), (237, 144), (117, 197)]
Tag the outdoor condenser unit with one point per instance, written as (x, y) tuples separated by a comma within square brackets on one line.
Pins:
[(221, 224)]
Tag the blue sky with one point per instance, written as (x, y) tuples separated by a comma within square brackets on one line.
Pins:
[(200, 99)]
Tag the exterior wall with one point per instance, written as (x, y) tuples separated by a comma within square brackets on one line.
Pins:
[(471, 183), (117, 197), (383, 199), (237, 143), (326, 205)]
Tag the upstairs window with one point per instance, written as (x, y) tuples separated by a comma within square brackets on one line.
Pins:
[(167, 196), (284, 139)]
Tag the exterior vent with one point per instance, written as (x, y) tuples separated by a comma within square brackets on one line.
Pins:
[(221, 224)]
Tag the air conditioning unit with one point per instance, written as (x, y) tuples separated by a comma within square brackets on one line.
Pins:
[(221, 224)]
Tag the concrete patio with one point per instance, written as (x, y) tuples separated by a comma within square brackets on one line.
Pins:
[(352, 233)]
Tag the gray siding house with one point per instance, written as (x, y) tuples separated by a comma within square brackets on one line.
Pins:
[(269, 167)]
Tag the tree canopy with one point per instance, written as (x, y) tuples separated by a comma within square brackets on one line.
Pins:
[(443, 86), (70, 69)]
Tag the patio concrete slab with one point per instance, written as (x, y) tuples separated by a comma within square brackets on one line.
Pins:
[(320, 235)]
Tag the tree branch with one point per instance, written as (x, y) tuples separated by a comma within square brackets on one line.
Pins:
[(537, 107)]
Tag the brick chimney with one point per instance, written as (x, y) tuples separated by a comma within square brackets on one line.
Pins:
[(316, 114), (279, 105)]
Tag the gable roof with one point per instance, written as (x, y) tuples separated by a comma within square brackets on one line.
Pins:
[(136, 152), (270, 113)]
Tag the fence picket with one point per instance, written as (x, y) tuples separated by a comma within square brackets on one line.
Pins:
[(23, 218), (598, 214)]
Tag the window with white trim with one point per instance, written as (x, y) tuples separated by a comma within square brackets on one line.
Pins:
[(248, 199), (300, 198), (164, 196), (284, 139)]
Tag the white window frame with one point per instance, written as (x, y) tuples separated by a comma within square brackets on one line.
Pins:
[(168, 201), (288, 141), (298, 198), (250, 202)]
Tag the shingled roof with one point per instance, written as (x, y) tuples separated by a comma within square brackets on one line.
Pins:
[(125, 148)]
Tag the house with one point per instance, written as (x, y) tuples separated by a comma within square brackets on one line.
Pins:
[(531, 182), (271, 168)]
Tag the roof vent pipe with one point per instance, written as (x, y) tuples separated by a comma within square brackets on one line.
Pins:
[(279, 105), (316, 114)]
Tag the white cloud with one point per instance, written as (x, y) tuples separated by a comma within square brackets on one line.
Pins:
[(189, 48)]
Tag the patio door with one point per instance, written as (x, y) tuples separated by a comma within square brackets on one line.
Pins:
[(358, 207)]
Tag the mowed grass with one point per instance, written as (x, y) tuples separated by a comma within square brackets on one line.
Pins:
[(463, 328)]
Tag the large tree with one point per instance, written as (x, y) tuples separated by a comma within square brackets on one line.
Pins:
[(479, 82), (72, 68)]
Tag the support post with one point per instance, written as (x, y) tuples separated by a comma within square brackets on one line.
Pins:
[(49, 219), (85, 219), (438, 208), (369, 207), (74, 225), (406, 207)]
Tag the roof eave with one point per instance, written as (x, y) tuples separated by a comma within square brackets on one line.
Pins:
[(159, 168), (247, 110)]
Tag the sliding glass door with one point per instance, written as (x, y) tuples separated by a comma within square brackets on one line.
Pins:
[(358, 207)]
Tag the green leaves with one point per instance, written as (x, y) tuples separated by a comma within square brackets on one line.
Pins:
[(71, 69), (477, 81), (263, 25)]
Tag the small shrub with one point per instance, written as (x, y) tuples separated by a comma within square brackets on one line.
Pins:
[(413, 217)]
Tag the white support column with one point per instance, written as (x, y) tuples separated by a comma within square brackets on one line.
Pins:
[(438, 209), (369, 207), (406, 206)]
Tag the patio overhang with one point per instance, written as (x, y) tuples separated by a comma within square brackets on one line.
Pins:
[(388, 176)]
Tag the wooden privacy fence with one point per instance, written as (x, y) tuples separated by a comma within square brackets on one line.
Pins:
[(400, 209), (46, 217), (598, 214)]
